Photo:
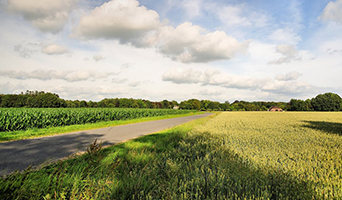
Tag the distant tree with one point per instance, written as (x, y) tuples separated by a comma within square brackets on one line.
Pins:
[(157, 105), (327, 102), (141, 104), (185, 105), (101, 104), (308, 104), (7, 101), (195, 104), (126, 103), (92, 104), (49, 100), (205, 104), (214, 105), (148, 103), (225, 106), (264, 108), (165, 104), (83, 104), (298, 105), (21, 100)]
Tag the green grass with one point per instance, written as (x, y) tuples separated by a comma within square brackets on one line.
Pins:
[(33, 133)]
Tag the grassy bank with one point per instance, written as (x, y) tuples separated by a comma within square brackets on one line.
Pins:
[(40, 132)]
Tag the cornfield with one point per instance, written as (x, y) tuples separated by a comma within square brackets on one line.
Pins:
[(13, 119)]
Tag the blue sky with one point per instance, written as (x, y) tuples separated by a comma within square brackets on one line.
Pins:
[(172, 49)]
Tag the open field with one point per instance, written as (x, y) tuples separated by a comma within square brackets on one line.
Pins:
[(234, 155)]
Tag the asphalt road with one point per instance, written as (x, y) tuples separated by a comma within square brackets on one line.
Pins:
[(18, 155)]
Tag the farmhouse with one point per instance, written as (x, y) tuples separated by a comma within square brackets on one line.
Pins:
[(274, 109), (175, 107)]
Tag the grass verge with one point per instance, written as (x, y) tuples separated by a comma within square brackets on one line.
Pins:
[(34, 133)]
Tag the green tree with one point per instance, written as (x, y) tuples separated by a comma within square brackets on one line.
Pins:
[(83, 104), (49, 100), (141, 104), (327, 102), (126, 103), (165, 103), (148, 103), (196, 104)]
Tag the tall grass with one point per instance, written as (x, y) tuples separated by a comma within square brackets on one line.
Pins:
[(223, 157)]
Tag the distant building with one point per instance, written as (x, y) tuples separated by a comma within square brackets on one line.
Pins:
[(275, 109), (175, 107)]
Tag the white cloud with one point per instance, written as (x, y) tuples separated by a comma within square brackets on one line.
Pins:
[(190, 43), (179, 76), (210, 93), (285, 36), (332, 12), (130, 23), (69, 76), (119, 80), (192, 8), (288, 52), (25, 50), (240, 15), (232, 15), (9, 88), (79, 92), (261, 52), (291, 76), (98, 58), (124, 20), (216, 78), (54, 49), (134, 84), (334, 51), (46, 15)]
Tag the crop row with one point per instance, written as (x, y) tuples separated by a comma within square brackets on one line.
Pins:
[(13, 119)]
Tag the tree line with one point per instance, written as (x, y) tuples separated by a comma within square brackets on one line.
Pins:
[(41, 99), (322, 102)]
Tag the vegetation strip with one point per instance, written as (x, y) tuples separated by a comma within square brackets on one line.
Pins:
[(35, 132), (235, 155)]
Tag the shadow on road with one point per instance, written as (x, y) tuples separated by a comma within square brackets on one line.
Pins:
[(18, 155)]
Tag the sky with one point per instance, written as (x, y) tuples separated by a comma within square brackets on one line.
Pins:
[(220, 50)]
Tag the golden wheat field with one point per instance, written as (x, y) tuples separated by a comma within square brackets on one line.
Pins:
[(307, 146)]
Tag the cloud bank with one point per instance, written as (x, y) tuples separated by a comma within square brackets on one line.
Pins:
[(124, 20), (332, 12), (288, 52), (69, 76), (130, 23), (279, 85), (46, 15), (189, 43), (291, 76), (54, 49)]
